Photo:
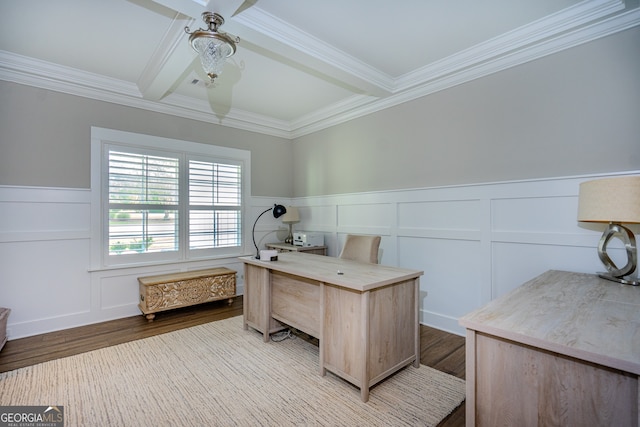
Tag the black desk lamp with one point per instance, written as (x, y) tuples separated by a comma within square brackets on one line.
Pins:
[(278, 211)]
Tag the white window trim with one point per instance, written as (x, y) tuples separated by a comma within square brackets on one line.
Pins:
[(100, 137)]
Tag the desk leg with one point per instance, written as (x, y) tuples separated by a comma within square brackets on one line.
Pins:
[(365, 321), (470, 368), (245, 300), (266, 309), (257, 300), (323, 371)]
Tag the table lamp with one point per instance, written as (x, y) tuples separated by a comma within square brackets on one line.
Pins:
[(278, 211), (613, 201), (292, 216)]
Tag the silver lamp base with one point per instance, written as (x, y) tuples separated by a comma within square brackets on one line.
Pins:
[(627, 280), (289, 239), (624, 275)]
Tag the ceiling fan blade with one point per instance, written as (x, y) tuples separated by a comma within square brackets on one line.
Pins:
[(244, 6)]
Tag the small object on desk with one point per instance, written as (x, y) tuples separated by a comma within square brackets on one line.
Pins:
[(305, 239), (268, 255), (340, 272)]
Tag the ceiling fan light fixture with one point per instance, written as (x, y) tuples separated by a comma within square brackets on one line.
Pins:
[(213, 47)]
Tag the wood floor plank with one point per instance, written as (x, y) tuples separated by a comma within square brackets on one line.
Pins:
[(439, 350)]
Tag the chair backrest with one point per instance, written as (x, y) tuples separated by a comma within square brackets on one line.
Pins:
[(361, 248)]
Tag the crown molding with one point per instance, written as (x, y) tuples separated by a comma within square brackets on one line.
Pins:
[(45, 75), (518, 39), (572, 36), (585, 22)]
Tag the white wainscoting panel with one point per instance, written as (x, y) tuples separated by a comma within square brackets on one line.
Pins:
[(516, 263), (45, 276), (49, 276), (474, 242), (44, 251), (451, 284)]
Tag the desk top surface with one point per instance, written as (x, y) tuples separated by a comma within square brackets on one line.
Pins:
[(575, 314), (354, 275)]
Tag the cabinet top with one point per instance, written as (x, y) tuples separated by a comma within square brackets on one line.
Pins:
[(292, 247), (575, 314), (184, 275)]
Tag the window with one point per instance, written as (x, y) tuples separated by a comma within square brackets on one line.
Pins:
[(144, 195), (165, 200)]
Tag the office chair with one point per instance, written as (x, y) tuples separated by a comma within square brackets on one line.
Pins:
[(361, 248)]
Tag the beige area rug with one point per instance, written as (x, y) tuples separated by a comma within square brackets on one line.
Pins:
[(217, 374)]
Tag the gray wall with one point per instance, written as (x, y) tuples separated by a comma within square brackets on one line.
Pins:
[(575, 112), (571, 113), (45, 139)]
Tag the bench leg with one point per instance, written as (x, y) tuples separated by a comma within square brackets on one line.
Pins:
[(150, 317), (230, 301)]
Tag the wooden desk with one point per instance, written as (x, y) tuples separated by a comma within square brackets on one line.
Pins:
[(284, 247), (366, 319), (562, 349)]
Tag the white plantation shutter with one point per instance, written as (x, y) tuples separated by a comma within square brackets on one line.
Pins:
[(160, 200), (161, 203), (215, 205), (144, 196)]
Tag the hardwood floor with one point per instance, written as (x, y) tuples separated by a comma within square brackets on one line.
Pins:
[(439, 350)]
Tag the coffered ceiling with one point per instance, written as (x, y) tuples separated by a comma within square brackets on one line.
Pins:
[(301, 65)]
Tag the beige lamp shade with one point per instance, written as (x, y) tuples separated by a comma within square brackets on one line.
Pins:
[(610, 200), (292, 216)]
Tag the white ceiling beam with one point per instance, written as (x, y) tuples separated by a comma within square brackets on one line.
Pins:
[(274, 35), (194, 8), (170, 60)]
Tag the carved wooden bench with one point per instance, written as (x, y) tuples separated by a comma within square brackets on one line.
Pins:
[(168, 291)]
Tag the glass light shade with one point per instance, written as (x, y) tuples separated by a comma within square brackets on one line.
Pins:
[(212, 46), (292, 216), (213, 53)]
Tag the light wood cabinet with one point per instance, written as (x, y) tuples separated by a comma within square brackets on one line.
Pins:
[(168, 291), (561, 350)]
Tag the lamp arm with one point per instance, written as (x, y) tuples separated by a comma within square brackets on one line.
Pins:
[(253, 232)]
